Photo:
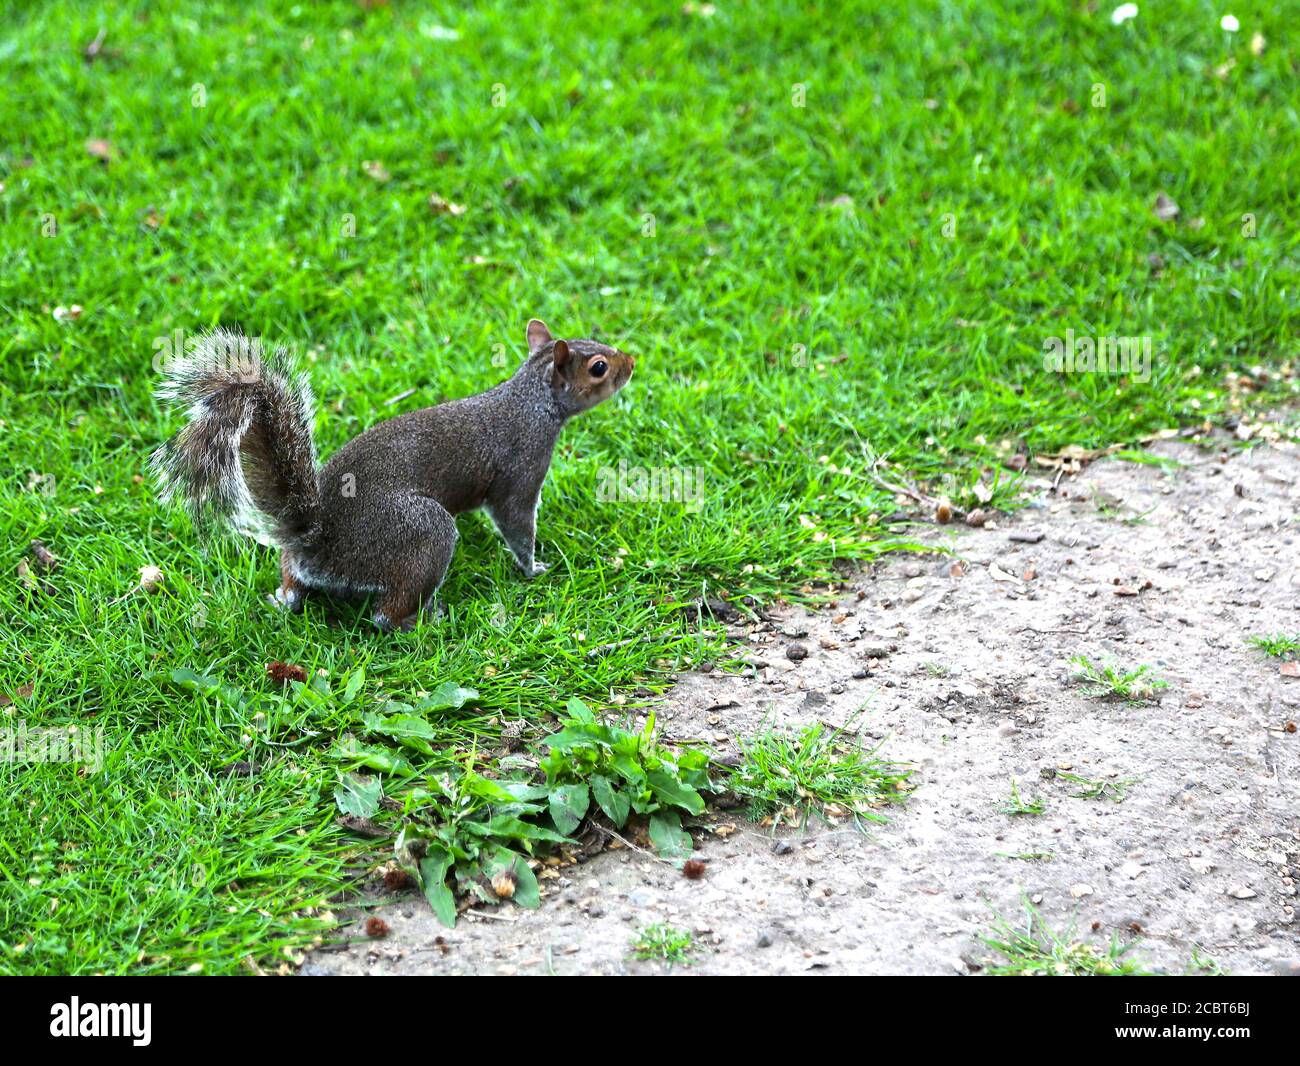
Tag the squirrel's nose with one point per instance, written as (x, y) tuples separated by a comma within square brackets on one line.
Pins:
[(631, 364)]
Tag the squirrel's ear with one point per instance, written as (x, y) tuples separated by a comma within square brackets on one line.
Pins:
[(538, 335), (561, 353)]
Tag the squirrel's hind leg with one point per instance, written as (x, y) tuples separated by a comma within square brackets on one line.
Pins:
[(417, 552), (292, 592)]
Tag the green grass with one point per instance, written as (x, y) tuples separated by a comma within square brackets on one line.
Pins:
[(1204, 965), (1111, 680), (787, 775), (1277, 645), (1167, 464), (664, 943), (1096, 788), (1107, 509), (648, 179), (1016, 804), (1036, 950)]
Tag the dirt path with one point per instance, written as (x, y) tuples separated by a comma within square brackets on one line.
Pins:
[(968, 682)]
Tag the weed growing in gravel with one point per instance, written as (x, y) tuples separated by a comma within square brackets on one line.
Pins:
[(1096, 788), (1167, 463), (1203, 966), (786, 775), (1112, 680), (478, 830), (474, 828), (1108, 507), (1017, 804), (664, 942), (1276, 644), (464, 834), (624, 773), (1037, 950)]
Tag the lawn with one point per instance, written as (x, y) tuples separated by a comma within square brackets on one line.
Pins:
[(828, 233)]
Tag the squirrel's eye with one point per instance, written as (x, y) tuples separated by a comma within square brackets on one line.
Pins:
[(598, 368)]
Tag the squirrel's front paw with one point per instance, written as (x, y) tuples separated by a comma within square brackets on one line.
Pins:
[(537, 568)]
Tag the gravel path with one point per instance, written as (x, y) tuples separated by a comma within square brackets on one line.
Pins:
[(966, 659)]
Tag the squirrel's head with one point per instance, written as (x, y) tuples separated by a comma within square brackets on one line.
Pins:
[(581, 373)]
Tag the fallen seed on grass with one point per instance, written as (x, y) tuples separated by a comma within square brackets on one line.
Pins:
[(101, 149), (1165, 208), (283, 673), (376, 927), (45, 560), (439, 206), (362, 826)]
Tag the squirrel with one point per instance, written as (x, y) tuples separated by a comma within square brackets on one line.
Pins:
[(380, 517)]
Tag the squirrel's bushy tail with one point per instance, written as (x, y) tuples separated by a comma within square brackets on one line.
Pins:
[(246, 455)]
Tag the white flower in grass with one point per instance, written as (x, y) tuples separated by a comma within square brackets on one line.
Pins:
[(1230, 23), (1123, 13)]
